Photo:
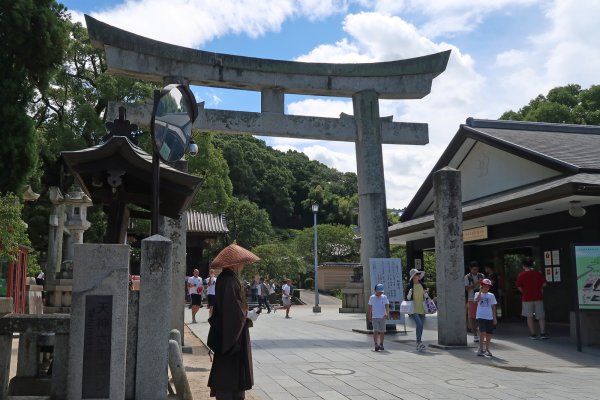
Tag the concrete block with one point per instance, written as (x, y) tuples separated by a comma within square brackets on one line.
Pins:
[(98, 336), (6, 305)]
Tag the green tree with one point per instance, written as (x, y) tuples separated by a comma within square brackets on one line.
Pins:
[(215, 193), (277, 261), (32, 38), (248, 225), (335, 243), (564, 104), (13, 231)]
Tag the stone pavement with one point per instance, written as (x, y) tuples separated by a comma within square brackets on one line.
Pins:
[(318, 356)]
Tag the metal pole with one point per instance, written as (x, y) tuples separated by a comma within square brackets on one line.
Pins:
[(155, 189), (316, 308)]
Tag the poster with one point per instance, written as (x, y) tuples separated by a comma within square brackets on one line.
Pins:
[(548, 271), (389, 272), (547, 258), (556, 274), (555, 257), (587, 269)]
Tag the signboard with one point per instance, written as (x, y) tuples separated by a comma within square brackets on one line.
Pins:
[(587, 269), (548, 271), (475, 234), (556, 274), (389, 272)]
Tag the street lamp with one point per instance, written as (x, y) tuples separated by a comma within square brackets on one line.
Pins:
[(316, 308), (173, 114)]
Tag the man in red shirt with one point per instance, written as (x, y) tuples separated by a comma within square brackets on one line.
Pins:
[(531, 284)]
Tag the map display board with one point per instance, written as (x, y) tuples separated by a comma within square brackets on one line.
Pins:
[(388, 271), (587, 267)]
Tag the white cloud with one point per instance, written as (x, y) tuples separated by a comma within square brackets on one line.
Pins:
[(192, 23), (377, 37)]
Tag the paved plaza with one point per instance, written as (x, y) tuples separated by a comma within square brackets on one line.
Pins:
[(318, 356)]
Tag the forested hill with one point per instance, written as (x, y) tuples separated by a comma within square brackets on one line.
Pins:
[(287, 184)]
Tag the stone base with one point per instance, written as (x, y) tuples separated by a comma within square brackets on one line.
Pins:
[(19, 386), (57, 310), (6, 305), (351, 310), (446, 347), (589, 321), (316, 309), (370, 332)]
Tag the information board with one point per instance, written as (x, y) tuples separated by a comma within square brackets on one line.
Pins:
[(388, 271), (587, 267)]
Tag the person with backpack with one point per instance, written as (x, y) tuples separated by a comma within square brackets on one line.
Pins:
[(472, 280)]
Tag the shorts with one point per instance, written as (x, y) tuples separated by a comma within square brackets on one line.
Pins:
[(211, 300), (486, 325), (286, 300), (196, 299), (378, 325), (533, 307), (472, 309)]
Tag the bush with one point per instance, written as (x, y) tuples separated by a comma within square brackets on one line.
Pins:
[(309, 283), (337, 293)]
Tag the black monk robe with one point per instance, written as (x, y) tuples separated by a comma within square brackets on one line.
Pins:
[(229, 338)]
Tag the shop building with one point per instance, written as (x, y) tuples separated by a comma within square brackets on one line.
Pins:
[(528, 190)]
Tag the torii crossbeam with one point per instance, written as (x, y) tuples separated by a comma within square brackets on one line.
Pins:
[(138, 57)]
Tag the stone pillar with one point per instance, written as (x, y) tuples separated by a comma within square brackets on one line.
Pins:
[(132, 332), (175, 230), (372, 213), (60, 366), (98, 333), (6, 352), (153, 322), (452, 324), (55, 235), (27, 364)]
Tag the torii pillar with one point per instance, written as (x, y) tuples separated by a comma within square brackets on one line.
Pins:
[(135, 56)]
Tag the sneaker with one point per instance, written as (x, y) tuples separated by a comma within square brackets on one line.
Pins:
[(288, 317), (381, 348), (543, 336), (533, 337), (488, 353), (377, 348), (422, 347), (476, 339), (481, 353)]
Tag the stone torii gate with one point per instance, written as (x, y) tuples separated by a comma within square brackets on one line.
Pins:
[(138, 57)]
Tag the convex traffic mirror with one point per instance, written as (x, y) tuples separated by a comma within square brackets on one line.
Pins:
[(173, 115)]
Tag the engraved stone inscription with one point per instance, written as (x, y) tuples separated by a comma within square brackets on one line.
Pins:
[(96, 347)]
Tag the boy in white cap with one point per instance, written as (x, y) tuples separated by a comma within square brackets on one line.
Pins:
[(378, 314)]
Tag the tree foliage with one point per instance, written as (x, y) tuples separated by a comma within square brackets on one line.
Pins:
[(287, 184), (32, 39), (248, 225), (277, 261), (214, 196), (335, 243), (564, 104)]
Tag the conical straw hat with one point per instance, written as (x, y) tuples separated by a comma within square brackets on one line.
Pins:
[(233, 255)]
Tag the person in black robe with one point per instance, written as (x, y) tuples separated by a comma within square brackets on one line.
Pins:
[(231, 373)]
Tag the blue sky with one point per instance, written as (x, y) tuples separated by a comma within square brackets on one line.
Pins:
[(504, 53)]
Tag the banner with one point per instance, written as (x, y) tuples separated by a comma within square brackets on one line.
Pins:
[(388, 271), (587, 267)]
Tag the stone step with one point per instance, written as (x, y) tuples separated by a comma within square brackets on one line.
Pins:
[(29, 398)]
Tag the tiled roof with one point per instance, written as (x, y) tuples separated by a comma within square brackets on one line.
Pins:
[(206, 223), (581, 150)]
